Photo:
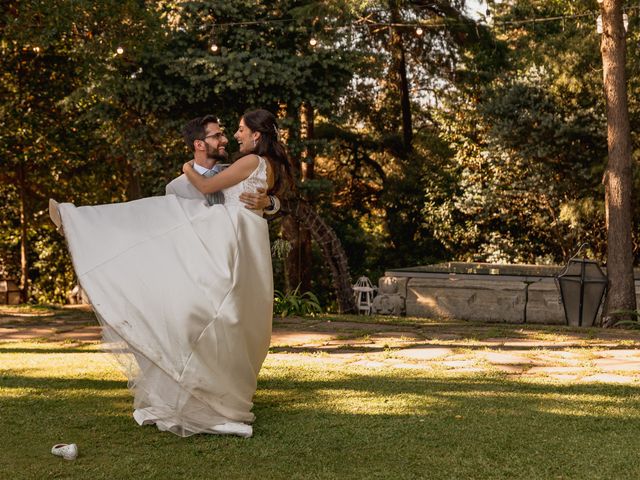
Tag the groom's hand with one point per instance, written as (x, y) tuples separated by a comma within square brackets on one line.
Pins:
[(256, 201)]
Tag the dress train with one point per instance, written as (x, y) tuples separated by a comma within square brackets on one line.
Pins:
[(184, 293)]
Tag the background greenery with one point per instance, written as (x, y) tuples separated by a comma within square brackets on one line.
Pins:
[(504, 161)]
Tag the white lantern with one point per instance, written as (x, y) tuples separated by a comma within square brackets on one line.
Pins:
[(363, 291)]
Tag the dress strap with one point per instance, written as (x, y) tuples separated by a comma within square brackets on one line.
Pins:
[(261, 169)]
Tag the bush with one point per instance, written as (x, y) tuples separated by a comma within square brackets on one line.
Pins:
[(295, 303)]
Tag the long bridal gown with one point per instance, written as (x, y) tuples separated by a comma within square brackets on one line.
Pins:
[(184, 292)]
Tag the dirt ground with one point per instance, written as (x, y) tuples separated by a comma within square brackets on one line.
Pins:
[(555, 353)]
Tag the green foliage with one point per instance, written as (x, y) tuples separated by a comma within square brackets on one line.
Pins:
[(509, 141), (295, 303), (530, 145), (626, 319), (82, 123)]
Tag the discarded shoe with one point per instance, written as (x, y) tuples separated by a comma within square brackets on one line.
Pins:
[(66, 451)]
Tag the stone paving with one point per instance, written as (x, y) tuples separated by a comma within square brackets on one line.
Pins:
[(593, 356), (554, 353)]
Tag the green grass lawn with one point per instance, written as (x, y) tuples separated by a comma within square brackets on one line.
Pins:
[(318, 420)]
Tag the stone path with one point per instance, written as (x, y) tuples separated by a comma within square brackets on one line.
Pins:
[(593, 356), (555, 353)]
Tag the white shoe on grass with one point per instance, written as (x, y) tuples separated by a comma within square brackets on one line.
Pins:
[(66, 451)]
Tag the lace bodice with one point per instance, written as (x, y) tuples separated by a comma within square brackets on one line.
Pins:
[(257, 179)]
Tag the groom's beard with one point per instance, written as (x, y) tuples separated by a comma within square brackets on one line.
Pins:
[(216, 155)]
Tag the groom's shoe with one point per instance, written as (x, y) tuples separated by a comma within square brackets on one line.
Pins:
[(54, 213), (143, 418), (234, 428)]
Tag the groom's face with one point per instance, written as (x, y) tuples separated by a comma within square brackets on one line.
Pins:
[(215, 142)]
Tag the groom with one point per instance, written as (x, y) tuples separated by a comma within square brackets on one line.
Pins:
[(208, 142)]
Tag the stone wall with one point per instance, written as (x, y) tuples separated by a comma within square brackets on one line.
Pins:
[(491, 298), (476, 291)]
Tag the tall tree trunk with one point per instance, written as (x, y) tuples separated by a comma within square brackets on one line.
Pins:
[(24, 261), (308, 133), (134, 190), (618, 176), (298, 262), (399, 73)]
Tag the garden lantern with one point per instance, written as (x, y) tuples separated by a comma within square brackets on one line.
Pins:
[(363, 291), (582, 286)]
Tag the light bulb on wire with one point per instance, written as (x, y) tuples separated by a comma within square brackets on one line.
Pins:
[(214, 47), (313, 42), (119, 50), (419, 31)]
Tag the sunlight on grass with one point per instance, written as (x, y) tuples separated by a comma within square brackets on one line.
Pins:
[(317, 419)]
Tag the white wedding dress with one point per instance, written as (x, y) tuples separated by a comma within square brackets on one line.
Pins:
[(184, 292)]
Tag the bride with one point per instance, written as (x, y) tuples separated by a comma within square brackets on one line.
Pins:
[(184, 291)]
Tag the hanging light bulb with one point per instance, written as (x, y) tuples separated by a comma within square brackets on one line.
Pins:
[(36, 49), (214, 46), (313, 42), (419, 31), (119, 50)]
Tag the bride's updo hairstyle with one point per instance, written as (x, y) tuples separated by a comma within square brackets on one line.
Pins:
[(270, 146)]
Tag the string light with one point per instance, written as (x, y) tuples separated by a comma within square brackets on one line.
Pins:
[(419, 27), (365, 23), (119, 50)]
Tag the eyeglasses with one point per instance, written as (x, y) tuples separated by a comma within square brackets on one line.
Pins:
[(216, 136)]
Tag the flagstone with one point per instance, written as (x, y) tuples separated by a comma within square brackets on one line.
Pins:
[(428, 353), (557, 370), (459, 363), (615, 364), (505, 358), (609, 378)]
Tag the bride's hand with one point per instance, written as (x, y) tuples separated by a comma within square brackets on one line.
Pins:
[(187, 166)]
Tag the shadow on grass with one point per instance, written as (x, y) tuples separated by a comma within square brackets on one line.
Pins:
[(327, 424), (36, 350), (478, 388), (58, 383), (346, 348), (470, 385)]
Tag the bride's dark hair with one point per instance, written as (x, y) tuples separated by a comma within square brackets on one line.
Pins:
[(270, 146)]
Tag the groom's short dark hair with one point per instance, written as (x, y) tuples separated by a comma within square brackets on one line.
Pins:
[(195, 129)]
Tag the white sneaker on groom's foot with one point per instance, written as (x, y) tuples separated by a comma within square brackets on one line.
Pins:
[(234, 428)]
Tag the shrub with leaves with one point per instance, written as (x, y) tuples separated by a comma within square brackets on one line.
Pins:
[(295, 303)]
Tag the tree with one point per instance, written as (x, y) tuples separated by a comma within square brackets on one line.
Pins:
[(106, 85), (47, 148), (529, 144), (618, 176)]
